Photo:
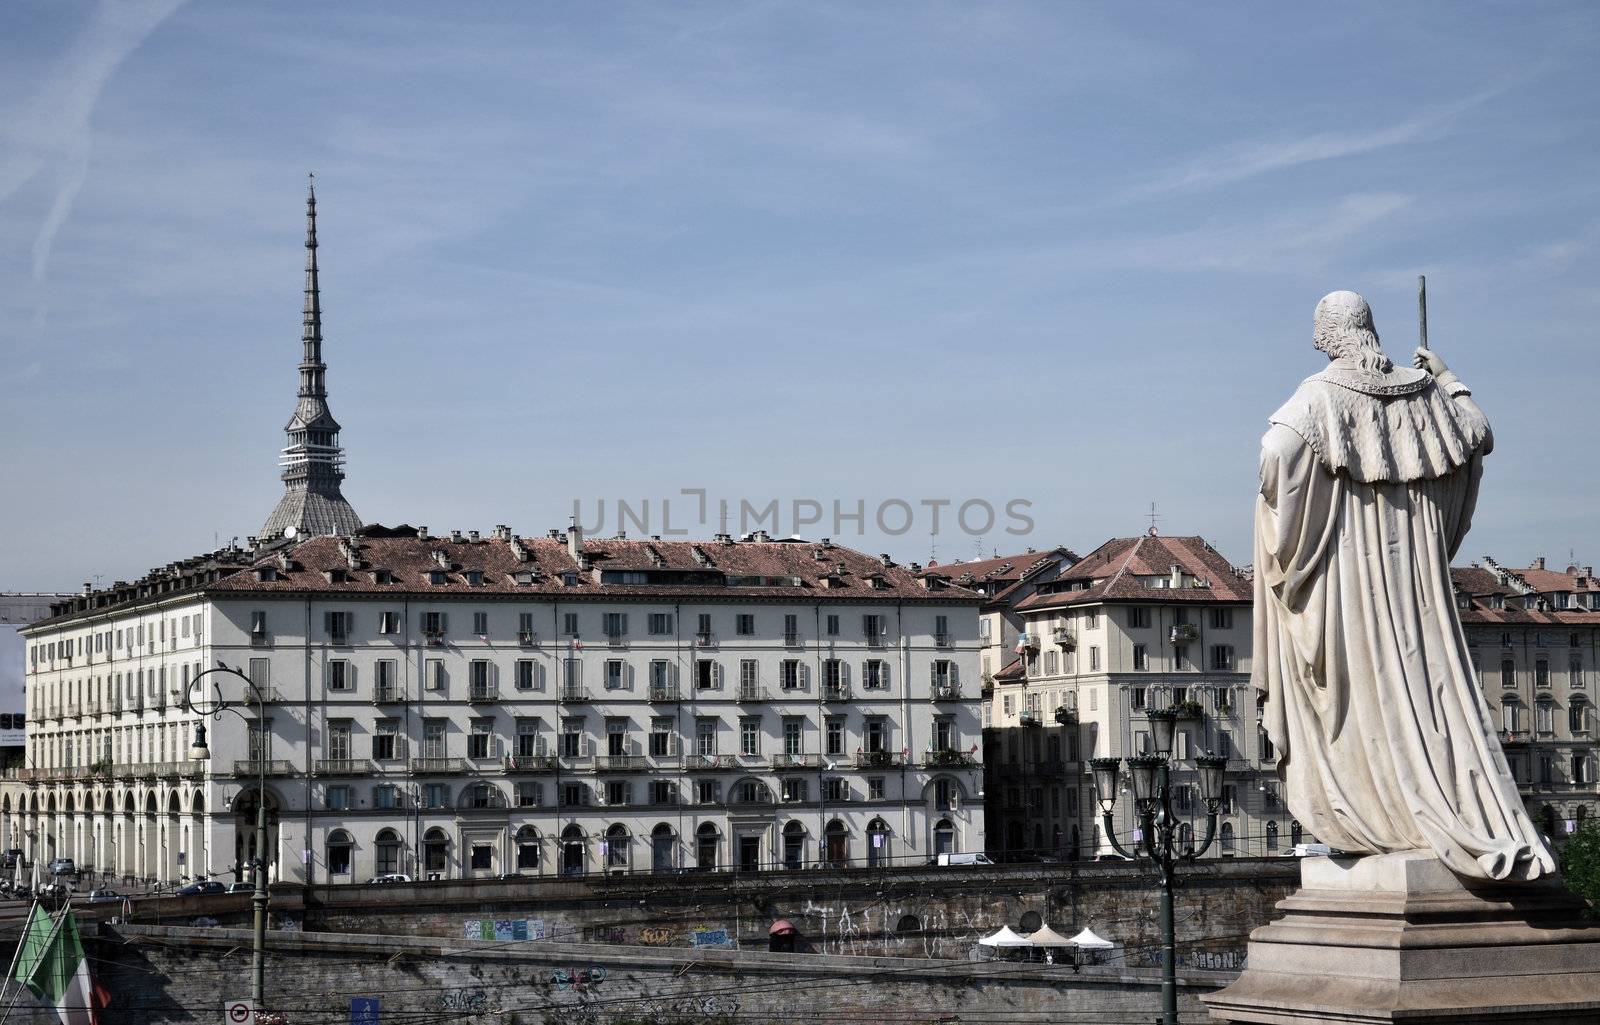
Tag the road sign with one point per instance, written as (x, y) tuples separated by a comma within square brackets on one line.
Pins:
[(238, 1012), (363, 1011)]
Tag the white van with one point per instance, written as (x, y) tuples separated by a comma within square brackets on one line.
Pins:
[(947, 860)]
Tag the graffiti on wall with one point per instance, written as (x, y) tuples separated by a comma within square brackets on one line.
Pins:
[(704, 937), (504, 929), (471, 1001), (579, 980)]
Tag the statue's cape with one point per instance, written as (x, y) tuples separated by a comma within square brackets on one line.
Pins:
[(1395, 427)]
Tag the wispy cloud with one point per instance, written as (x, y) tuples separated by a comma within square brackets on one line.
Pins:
[(1232, 164), (50, 135)]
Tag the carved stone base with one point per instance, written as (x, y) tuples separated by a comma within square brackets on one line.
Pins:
[(1399, 938)]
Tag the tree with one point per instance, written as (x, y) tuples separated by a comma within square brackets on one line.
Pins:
[(1580, 864)]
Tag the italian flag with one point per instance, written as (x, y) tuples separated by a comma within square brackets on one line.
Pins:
[(51, 963)]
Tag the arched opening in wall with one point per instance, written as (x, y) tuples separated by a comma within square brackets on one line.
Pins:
[(907, 925), (1296, 834), (1225, 840), (878, 853), (1029, 922), (1075, 845), (707, 841), (1580, 814), (527, 849), (340, 854), (243, 811), (387, 848), (618, 850), (944, 838), (837, 837), (574, 851), (663, 848), (1272, 835), (1547, 819), (1186, 838), (482, 796), (435, 853), (794, 845)]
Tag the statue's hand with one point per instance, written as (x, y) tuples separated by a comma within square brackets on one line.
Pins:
[(1427, 359)]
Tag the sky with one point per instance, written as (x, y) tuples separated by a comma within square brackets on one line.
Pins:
[(1061, 255)]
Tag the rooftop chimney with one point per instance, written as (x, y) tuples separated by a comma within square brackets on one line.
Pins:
[(472, 535), (1538, 563), (422, 533), (455, 537), (574, 539)]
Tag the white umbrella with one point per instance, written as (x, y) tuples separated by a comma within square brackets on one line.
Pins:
[(1006, 938), (1048, 937), (1089, 941)]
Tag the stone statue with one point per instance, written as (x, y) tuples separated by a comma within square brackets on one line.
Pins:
[(1369, 475)]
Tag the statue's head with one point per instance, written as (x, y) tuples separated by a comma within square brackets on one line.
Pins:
[(1344, 329)]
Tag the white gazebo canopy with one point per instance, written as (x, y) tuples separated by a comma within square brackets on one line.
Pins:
[(1089, 941), (1048, 937), (1006, 938)]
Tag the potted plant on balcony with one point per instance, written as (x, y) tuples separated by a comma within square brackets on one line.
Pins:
[(1067, 716), (1190, 709), (878, 759)]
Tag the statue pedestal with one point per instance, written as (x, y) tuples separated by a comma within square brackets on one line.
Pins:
[(1400, 938)]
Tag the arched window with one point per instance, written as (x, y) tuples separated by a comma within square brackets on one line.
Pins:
[(1227, 839), (944, 838), (1578, 717), (663, 848), (794, 845), (878, 844), (1544, 716), (908, 924), (706, 843), (1296, 835), (340, 847), (837, 838), (574, 851), (387, 846), (435, 853), (527, 849), (1185, 837), (1272, 835), (482, 795), (619, 849)]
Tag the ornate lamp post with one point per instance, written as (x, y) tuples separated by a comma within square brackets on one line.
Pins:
[(200, 753), (1158, 827)]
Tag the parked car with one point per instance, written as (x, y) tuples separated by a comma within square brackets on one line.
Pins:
[(202, 889), (104, 896), (511, 876), (241, 887), (392, 877), (63, 867)]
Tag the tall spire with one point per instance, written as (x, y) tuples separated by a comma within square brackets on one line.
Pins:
[(312, 461)]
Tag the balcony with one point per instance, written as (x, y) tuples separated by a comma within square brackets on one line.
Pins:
[(573, 693), (342, 767), (437, 766), (1030, 719), (705, 639), (946, 692), (836, 692), (616, 640), (530, 763), (944, 640), (527, 638), (750, 693), (388, 694), (1063, 638), (664, 693), (879, 759), (1184, 633), (792, 639), (483, 693), (1514, 736), (710, 763), (253, 767), (788, 760), (433, 638), (950, 760), (878, 640), (620, 763)]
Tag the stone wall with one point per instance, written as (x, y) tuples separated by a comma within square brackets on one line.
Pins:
[(160, 975)]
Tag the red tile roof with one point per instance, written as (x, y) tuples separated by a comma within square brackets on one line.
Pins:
[(999, 569), (1112, 571)]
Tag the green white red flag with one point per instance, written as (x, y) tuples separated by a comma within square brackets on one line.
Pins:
[(51, 963)]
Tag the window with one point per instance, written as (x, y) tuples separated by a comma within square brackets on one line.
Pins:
[(663, 791), (258, 624), (660, 624), (833, 626), (833, 733), (1544, 717), (435, 795), (434, 674), (1575, 671), (338, 625), (944, 734), (337, 799), (433, 624), (1050, 664), (386, 740), (660, 736), (574, 795), (1541, 673), (875, 674), (705, 737), (1136, 698), (1138, 616), (1141, 657), (619, 793), (1222, 654), (872, 628), (793, 736), (616, 674), (339, 675), (339, 741), (749, 675), (1508, 673), (1222, 619), (1578, 718), (572, 737), (478, 739), (478, 677), (750, 736), (433, 739), (835, 789), (791, 630), (789, 674), (875, 788), (744, 625), (705, 674), (525, 674), (527, 738), (794, 789), (386, 796), (616, 625), (569, 624), (480, 623), (616, 736), (388, 622), (707, 791), (525, 627), (1094, 659), (529, 795)]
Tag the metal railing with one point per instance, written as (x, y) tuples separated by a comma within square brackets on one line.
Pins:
[(664, 692), (530, 763), (483, 693), (437, 766), (342, 767), (258, 767)]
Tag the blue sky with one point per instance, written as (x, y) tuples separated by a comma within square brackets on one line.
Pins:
[(1059, 253)]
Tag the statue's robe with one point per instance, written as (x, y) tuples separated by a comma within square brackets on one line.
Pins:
[(1368, 483)]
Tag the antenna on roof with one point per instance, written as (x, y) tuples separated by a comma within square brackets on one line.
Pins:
[(1154, 520)]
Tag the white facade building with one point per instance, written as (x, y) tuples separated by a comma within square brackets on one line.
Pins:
[(461, 707)]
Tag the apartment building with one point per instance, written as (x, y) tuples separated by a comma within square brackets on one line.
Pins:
[(1141, 623), (470, 706), (1003, 580), (1534, 635)]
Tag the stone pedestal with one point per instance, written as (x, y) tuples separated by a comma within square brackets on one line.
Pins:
[(1399, 938)]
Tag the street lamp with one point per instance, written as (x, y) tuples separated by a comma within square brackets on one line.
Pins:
[(1158, 827), (200, 752)]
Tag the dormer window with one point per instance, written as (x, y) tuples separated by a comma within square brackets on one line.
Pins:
[(337, 576), (266, 574), (525, 576), (474, 577), (569, 579), (382, 576), (438, 576)]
